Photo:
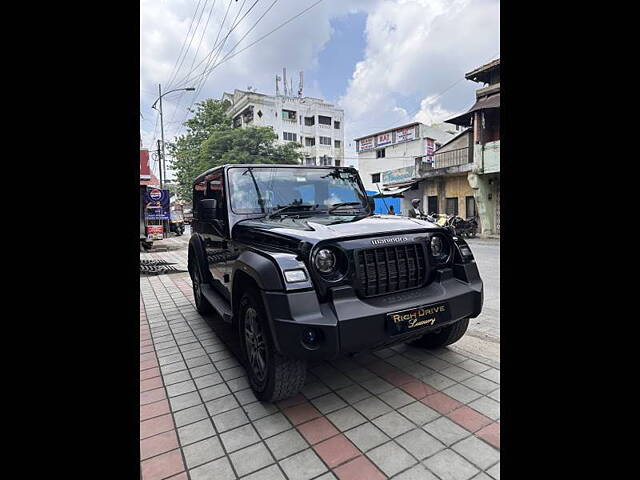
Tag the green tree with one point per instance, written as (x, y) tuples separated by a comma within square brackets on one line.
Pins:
[(211, 141)]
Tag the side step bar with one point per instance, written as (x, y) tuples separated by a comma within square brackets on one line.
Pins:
[(218, 302)]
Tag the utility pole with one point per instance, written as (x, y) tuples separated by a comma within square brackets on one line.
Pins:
[(163, 177), (160, 163), (163, 171)]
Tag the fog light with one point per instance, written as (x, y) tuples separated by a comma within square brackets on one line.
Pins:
[(311, 337), (292, 276)]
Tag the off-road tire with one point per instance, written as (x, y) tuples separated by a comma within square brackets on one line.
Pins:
[(446, 336), (285, 376), (202, 304)]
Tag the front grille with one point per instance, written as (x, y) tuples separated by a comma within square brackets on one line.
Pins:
[(390, 269)]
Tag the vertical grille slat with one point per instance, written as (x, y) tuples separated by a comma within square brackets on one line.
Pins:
[(390, 269)]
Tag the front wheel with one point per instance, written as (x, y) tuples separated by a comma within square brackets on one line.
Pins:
[(272, 376), (445, 336)]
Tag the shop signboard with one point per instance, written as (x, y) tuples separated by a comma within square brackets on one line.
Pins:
[(156, 204), (430, 148), (405, 134), (155, 232), (365, 145), (399, 174), (383, 139)]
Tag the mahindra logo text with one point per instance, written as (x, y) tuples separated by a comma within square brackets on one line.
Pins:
[(380, 241)]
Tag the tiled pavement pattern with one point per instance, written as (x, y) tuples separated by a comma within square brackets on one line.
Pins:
[(400, 413)]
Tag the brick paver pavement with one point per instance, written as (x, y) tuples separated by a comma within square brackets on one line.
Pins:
[(401, 413)]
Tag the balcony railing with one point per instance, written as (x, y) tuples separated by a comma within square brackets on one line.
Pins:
[(452, 158)]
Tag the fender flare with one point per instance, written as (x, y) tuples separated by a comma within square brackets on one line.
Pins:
[(260, 268)]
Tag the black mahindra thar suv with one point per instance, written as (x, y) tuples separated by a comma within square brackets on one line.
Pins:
[(295, 258)]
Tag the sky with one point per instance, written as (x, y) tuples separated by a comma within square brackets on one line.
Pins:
[(385, 62)]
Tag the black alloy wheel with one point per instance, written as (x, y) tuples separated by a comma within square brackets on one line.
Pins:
[(255, 346)]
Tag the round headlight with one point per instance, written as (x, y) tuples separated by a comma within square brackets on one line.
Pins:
[(437, 247), (325, 261)]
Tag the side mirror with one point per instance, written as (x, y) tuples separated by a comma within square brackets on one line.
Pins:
[(208, 209), (372, 204)]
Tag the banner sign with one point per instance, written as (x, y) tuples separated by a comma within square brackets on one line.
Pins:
[(405, 135), (383, 139), (430, 149), (156, 204), (398, 174), (365, 144), (155, 232)]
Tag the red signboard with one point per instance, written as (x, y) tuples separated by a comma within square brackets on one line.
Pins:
[(155, 231)]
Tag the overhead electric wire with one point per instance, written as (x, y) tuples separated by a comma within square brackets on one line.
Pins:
[(207, 71), (222, 44), (186, 51), (207, 58), (195, 55), (228, 56), (171, 75), (203, 79)]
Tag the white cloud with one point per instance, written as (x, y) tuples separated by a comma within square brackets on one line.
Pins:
[(419, 48)]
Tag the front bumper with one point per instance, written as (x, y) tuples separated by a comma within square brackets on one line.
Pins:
[(350, 324)]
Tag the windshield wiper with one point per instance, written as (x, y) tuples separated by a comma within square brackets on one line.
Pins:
[(335, 206), (255, 184), (287, 207)]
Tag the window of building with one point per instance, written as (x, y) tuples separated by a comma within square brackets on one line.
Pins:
[(310, 161), (471, 206), (237, 122), (326, 161), (289, 115), (247, 114), (322, 120), (309, 141), (289, 137), (309, 121), (260, 113), (336, 125), (375, 178), (337, 144), (325, 140), (337, 163), (380, 153), (432, 204), (452, 206)]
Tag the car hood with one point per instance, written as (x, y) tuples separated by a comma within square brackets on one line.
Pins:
[(313, 231)]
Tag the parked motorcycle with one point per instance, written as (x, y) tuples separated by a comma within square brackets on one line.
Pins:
[(463, 228)]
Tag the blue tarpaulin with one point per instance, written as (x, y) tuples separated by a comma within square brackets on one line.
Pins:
[(380, 203)]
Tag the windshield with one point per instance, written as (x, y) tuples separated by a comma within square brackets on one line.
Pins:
[(264, 190)]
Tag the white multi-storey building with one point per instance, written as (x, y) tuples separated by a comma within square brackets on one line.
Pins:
[(312, 122), (391, 155)]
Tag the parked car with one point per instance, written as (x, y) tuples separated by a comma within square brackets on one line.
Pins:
[(295, 258)]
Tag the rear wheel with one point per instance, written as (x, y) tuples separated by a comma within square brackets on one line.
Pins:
[(446, 336), (202, 305), (272, 376)]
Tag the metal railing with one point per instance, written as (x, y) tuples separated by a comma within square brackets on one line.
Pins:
[(460, 156)]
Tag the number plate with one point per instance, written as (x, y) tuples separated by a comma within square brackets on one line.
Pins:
[(417, 318)]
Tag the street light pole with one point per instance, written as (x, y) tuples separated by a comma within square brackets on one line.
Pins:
[(163, 176), (163, 171)]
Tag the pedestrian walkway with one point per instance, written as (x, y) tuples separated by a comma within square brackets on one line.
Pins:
[(401, 413)]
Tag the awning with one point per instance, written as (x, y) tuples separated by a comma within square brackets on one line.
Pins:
[(390, 192), (484, 103)]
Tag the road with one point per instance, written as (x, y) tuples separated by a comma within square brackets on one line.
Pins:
[(483, 336)]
